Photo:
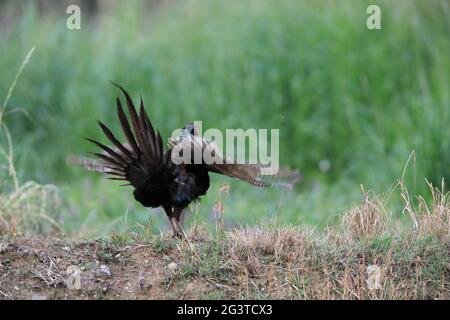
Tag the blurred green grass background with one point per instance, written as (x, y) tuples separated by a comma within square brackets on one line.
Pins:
[(343, 95)]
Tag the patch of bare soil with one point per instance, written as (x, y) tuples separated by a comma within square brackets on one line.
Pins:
[(271, 263), (52, 268)]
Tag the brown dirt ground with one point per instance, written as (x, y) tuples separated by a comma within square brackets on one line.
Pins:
[(257, 264), (37, 268)]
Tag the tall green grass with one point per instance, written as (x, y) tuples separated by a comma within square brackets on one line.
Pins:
[(360, 100)]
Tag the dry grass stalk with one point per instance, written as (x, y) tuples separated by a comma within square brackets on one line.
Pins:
[(434, 219), (31, 208), (28, 207), (367, 220)]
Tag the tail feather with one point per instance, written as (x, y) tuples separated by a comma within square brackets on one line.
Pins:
[(147, 129), (108, 150), (126, 128), (109, 160), (135, 160), (145, 140), (89, 164), (143, 147), (114, 140)]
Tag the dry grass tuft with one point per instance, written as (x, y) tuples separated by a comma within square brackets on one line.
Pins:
[(434, 219), (29, 206), (367, 220), (285, 245)]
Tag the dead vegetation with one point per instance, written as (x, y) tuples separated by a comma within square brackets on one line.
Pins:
[(30, 208), (363, 258), (25, 206)]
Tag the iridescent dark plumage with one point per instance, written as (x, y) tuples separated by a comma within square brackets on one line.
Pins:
[(157, 180)]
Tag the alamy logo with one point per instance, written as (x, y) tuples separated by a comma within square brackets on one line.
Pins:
[(373, 277), (73, 281), (73, 21), (374, 20)]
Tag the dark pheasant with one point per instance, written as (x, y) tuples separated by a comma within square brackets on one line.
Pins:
[(157, 180)]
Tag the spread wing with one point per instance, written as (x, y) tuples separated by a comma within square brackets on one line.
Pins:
[(251, 173), (139, 161)]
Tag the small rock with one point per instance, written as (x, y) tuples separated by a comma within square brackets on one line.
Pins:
[(66, 248), (127, 287), (16, 288), (104, 271), (172, 266)]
